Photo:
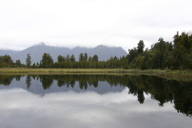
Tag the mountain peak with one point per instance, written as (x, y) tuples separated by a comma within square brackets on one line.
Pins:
[(41, 44), (101, 46), (104, 52), (105, 46)]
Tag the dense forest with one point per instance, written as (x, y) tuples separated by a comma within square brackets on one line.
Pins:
[(162, 55)]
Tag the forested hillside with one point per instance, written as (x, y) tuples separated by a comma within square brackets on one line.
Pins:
[(162, 55)]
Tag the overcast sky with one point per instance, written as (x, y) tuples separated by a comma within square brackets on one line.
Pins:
[(91, 22)]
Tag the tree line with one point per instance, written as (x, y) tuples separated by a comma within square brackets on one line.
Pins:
[(176, 54)]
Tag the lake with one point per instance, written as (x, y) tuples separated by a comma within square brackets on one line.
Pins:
[(94, 101)]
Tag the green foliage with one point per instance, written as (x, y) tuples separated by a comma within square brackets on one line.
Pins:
[(46, 61), (140, 46), (18, 63), (6, 61), (83, 57), (161, 55), (28, 60)]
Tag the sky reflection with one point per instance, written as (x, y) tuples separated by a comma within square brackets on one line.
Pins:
[(20, 109)]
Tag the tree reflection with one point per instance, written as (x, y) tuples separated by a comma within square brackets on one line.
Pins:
[(140, 97), (28, 81), (162, 90), (46, 81), (7, 79)]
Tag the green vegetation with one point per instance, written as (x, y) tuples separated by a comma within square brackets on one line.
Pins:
[(183, 75), (175, 55), (28, 60), (6, 61)]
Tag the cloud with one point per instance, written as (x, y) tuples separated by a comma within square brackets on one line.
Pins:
[(91, 22)]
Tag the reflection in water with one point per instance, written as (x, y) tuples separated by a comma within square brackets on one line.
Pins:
[(94, 101)]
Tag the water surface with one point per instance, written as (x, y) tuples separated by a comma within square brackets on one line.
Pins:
[(94, 101)]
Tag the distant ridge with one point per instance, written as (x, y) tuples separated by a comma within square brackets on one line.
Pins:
[(37, 50)]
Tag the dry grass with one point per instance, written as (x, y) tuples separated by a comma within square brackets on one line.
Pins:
[(168, 74)]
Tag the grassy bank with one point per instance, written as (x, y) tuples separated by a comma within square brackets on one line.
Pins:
[(169, 74), (58, 71)]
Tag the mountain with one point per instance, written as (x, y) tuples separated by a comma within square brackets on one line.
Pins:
[(36, 51)]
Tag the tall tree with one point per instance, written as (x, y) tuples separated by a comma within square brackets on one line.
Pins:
[(18, 63), (28, 60), (95, 58), (72, 59), (81, 57), (6, 61), (60, 59), (140, 46), (47, 60)]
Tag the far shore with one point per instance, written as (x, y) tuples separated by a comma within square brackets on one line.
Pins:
[(168, 74)]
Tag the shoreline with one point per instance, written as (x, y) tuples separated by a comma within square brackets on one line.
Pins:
[(168, 74)]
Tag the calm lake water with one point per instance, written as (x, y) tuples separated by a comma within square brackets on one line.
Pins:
[(94, 101)]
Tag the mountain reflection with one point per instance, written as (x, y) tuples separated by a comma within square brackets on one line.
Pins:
[(162, 90)]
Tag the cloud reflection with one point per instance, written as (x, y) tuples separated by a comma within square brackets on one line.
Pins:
[(20, 109)]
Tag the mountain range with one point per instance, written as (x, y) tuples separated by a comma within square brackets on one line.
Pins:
[(36, 52)]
